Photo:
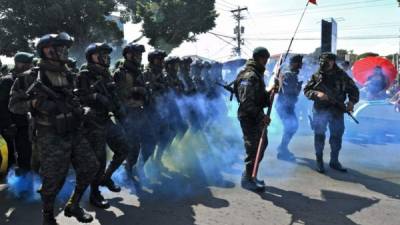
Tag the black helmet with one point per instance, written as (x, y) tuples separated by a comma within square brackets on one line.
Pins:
[(133, 47), (260, 52), (156, 54), (186, 60), (61, 39), (296, 59), (197, 64), (172, 60), (96, 48)]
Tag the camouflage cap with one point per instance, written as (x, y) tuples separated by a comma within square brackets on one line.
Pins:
[(23, 57), (260, 52), (327, 56)]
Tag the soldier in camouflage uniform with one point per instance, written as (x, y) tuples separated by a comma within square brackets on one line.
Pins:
[(184, 74), (14, 127), (96, 90), (57, 115), (252, 96), (158, 108), (328, 87), (285, 106), (134, 95), (171, 113), (196, 75)]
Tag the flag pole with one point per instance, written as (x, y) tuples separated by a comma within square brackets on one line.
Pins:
[(273, 93)]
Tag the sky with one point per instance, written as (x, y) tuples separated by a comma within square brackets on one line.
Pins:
[(277, 19)]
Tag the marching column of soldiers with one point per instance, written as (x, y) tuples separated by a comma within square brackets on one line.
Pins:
[(54, 115)]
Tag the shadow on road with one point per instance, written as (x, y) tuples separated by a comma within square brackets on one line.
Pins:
[(390, 189), (333, 209), (170, 201)]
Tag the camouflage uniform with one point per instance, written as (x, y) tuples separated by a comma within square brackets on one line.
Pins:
[(58, 133), (184, 74), (285, 107), (92, 84), (252, 98), (325, 114), (134, 95)]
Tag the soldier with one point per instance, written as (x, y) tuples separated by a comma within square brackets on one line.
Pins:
[(253, 98), (287, 99), (328, 87), (14, 127), (96, 90), (171, 75), (195, 73), (184, 74), (134, 95), (57, 117)]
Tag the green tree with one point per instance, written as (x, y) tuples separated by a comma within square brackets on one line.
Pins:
[(22, 21), (168, 23)]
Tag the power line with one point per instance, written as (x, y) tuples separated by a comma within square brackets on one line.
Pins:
[(296, 10), (365, 37), (322, 11), (228, 3)]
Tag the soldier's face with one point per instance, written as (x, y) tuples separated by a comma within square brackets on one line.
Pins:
[(58, 53), (262, 60), (137, 57), (22, 67), (326, 64), (101, 59)]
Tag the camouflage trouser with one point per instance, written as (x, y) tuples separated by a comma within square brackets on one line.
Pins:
[(57, 152), (140, 134), (97, 139), (290, 123), (335, 121), (252, 130), (119, 145)]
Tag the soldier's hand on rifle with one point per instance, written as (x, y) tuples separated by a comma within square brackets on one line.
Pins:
[(350, 106), (266, 120), (321, 96)]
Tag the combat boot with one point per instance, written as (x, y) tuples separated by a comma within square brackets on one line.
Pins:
[(252, 184), (108, 182), (335, 164), (48, 218), (73, 209), (286, 156), (320, 164), (96, 199)]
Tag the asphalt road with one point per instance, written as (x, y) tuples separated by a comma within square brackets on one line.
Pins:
[(369, 194)]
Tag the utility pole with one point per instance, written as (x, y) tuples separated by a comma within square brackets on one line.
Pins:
[(239, 30)]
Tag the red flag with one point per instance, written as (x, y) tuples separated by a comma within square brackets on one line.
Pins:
[(313, 1)]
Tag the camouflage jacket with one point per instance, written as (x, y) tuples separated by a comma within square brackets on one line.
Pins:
[(93, 85), (154, 77), (339, 85), (174, 82), (131, 88), (290, 88), (48, 109), (250, 91), (8, 118)]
